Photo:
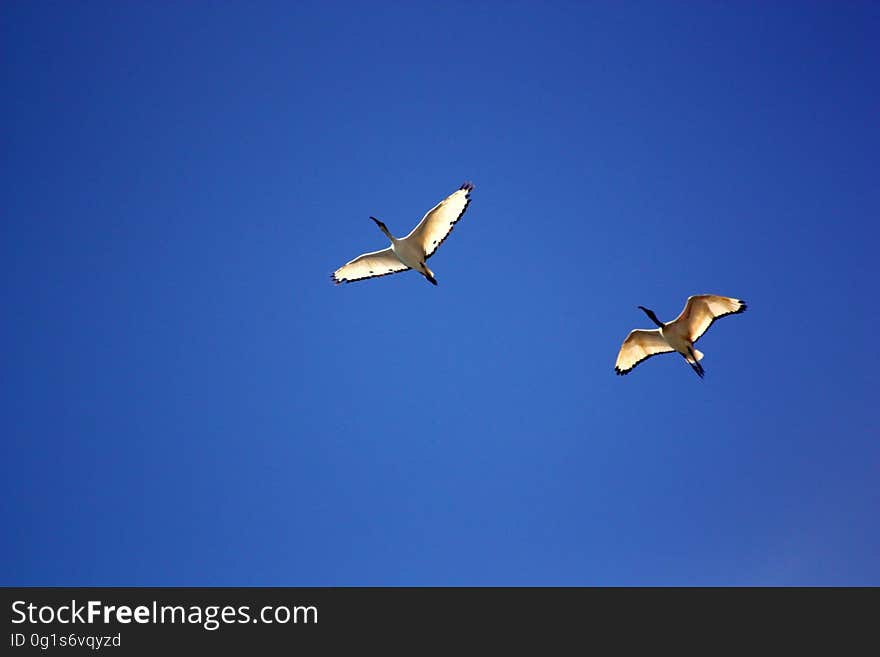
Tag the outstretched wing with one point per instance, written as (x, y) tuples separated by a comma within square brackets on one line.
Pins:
[(438, 223), (369, 265), (703, 309), (638, 346)]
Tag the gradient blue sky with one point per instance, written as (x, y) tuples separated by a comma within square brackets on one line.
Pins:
[(187, 399)]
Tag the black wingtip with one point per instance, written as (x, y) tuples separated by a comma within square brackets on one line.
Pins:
[(467, 186)]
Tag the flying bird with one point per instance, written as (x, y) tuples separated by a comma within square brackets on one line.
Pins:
[(678, 335), (412, 251)]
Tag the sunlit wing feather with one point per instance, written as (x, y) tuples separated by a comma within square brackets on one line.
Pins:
[(639, 345), (369, 265), (436, 225), (703, 309)]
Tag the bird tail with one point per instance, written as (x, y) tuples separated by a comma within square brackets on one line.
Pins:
[(428, 274), (693, 358)]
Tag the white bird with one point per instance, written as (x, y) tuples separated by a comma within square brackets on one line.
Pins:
[(678, 335), (412, 251)]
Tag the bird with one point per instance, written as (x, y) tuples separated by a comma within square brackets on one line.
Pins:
[(678, 335), (412, 251)]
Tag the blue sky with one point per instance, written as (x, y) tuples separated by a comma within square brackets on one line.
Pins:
[(188, 400)]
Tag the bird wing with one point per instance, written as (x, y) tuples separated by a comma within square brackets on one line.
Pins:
[(703, 309), (438, 223), (369, 265), (639, 345)]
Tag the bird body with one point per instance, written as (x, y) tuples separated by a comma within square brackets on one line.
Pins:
[(677, 338), (411, 254), (412, 251), (679, 335)]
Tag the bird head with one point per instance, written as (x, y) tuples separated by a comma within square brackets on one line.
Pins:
[(381, 226), (651, 315)]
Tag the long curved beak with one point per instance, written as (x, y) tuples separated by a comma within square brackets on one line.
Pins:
[(383, 228)]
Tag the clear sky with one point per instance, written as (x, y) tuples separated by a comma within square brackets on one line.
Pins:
[(188, 400)]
